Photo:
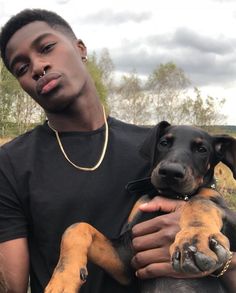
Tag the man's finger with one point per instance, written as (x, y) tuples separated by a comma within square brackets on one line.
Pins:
[(163, 204)]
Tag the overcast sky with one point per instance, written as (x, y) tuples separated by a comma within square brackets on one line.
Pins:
[(197, 35)]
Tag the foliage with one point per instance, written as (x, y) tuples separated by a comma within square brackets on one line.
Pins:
[(7, 85), (166, 85), (97, 76), (15, 105), (202, 111), (106, 67), (165, 96), (130, 103)]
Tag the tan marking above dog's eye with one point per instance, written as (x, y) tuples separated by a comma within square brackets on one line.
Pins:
[(198, 140), (169, 135)]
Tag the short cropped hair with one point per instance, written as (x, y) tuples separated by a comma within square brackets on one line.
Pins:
[(27, 16)]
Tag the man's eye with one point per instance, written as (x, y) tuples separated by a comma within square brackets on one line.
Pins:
[(47, 48), (21, 70)]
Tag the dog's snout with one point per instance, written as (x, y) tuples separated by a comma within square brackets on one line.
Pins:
[(172, 171)]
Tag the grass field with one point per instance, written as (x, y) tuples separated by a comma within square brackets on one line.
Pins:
[(4, 140)]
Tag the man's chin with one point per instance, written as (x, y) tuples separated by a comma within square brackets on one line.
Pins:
[(55, 109), (55, 105)]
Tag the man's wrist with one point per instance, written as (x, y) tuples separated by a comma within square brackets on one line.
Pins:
[(232, 266), (229, 277), (220, 272)]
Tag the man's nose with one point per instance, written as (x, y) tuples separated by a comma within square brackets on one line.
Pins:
[(38, 74), (39, 70)]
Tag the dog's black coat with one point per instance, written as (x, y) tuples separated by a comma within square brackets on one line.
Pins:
[(157, 154)]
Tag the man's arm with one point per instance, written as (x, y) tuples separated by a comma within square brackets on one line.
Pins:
[(14, 258)]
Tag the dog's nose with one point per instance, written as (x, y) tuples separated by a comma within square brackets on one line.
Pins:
[(172, 171)]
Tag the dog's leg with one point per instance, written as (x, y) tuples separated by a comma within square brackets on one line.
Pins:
[(135, 210), (200, 246), (81, 242)]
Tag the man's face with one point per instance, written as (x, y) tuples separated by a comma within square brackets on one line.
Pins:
[(36, 48)]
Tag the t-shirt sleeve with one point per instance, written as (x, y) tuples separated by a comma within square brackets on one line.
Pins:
[(13, 222)]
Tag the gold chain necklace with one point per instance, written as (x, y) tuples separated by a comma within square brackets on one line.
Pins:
[(103, 150)]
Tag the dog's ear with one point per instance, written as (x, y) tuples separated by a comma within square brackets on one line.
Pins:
[(149, 146), (225, 148)]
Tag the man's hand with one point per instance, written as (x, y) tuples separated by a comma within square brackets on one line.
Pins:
[(152, 239)]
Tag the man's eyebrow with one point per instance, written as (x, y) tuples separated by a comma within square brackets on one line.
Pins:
[(33, 44), (39, 39)]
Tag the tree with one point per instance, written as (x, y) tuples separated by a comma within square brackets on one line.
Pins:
[(202, 111), (7, 84), (25, 112), (97, 76), (168, 90), (15, 105), (129, 101), (106, 67), (166, 85)]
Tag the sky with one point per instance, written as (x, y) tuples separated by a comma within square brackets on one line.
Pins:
[(199, 36)]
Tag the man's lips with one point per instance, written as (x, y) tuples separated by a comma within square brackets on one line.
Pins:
[(47, 83)]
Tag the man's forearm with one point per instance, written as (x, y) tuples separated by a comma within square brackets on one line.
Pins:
[(14, 258), (14, 287)]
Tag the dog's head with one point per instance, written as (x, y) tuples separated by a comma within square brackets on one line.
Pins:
[(183, 158)]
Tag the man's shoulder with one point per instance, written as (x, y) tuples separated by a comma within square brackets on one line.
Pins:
[(22, 141), (128, 128)]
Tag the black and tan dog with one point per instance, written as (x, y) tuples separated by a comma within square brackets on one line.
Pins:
[(183, 159)]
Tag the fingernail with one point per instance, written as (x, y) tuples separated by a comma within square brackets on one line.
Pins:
[(192, 249), (177, 255), (143, 205)]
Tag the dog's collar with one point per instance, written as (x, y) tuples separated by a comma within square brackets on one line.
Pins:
[(186, 197), (144, 186)]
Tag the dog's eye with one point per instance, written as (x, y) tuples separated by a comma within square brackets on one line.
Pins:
[(164, 143), (201, 149)]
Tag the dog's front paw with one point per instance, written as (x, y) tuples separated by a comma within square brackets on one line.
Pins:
[(199, 252), (66, 282)]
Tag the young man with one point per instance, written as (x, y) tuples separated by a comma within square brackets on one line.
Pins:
[(72, 168)]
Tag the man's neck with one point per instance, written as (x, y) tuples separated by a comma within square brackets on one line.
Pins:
[(84, 119)]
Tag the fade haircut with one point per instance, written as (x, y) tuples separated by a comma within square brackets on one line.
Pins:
[(27, 16)]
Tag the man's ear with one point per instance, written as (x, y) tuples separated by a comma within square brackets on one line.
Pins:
[(82, 47), (149, 146), (225, 148)]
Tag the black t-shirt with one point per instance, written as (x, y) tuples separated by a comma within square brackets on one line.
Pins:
[(41, 194)]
